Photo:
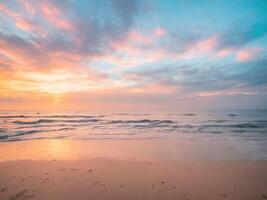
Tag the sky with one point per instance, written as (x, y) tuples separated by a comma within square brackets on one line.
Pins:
[(133, 54)]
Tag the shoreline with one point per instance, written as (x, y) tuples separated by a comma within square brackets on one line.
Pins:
[(140, 150)]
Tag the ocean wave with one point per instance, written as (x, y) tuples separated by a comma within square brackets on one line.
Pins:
[(14, 126), (239, 130), (262, 122), (39, 121), (133, 114), (41, 126), (232, 115), (217, 120), (35, 138), (107, 134), (248, 125), (2, 137), (21, 133), (142, 121), (49, 116), (119, 138), (146, 126), (14, 116), (189, 114), (215, 132)]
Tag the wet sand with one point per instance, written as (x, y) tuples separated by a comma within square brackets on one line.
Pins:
[(105, 178)]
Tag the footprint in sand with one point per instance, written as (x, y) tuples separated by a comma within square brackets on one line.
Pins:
[(90, 171), (224, 195), (3, 189), (162, 182), (264, 196), (46, 180), (23, 195), (95, 183), (173, 187), (184, 195), (73, 169), (122, 186), (98, 183)]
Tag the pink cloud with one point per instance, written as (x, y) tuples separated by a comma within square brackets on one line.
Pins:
[(24, 25), (223, 53), (50, 10), (130, 51), (198, 49), (155, 88), (247, 54), (55, 17), (134, 36), (207, 45), (7, 11), (29, 26), (21, 22), (159, 32), (28, 6), (125, 47)]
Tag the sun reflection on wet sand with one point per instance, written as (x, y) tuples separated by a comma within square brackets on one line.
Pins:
[(142, 150)]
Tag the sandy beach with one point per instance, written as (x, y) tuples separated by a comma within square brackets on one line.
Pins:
[(121, 179), (62, 169)]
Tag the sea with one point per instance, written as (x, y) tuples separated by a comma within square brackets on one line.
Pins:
[(243, 130)]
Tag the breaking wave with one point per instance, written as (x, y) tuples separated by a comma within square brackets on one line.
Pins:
[(14, 126), (39, 121)]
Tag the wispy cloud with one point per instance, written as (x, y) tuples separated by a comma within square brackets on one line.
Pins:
[(129, 48)]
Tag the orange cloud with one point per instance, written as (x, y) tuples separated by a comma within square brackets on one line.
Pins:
[(58, 81)]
